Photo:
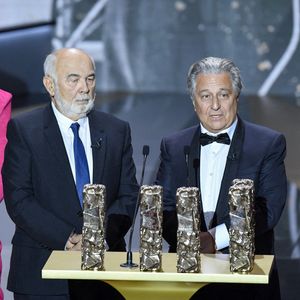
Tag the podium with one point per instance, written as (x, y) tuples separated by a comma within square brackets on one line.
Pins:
[(168, 284)]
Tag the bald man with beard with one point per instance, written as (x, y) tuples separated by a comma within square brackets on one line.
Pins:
[(41, 187)]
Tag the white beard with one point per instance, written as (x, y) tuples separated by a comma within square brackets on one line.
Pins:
[(75, 110)]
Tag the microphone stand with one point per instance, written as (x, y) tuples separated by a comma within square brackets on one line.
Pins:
[(129, 263), (187, 150), (196, 163)]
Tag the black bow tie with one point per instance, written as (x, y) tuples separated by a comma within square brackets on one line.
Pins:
[(206, 139)]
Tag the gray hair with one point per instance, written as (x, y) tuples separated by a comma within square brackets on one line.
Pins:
[(50, 64), (214, 65)]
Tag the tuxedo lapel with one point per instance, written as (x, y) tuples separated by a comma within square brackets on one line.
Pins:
[(99, 145), (230, 173), (194, 154), (56, 146)]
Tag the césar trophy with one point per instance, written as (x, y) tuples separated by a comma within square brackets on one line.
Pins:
[(241, 232), (93, 231), (188, 232), (151, 228)]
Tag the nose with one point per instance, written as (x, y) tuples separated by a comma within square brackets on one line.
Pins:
[(84, 88), (215, 105)]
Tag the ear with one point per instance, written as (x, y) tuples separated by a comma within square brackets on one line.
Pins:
[(49, 85), (194, 105)]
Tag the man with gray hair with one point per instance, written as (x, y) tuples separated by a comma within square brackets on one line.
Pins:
[(51, 153), (224, 147)]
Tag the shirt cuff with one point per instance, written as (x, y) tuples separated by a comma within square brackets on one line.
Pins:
[(220, 235), (68, 239)]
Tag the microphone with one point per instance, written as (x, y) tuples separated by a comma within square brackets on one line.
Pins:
[(232, 156), (196, 163), (187, 150), (97, 145), (129, 263)]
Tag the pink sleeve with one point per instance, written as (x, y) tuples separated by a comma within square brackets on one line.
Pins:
[(1, 293), (5, 111)]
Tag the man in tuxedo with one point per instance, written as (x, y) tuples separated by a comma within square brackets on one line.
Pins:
[(224, 147), (51, 153)]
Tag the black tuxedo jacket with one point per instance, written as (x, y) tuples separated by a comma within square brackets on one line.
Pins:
[(40, 193), (255, 153)]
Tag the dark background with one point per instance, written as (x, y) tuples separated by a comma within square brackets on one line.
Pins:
[(143, 50)]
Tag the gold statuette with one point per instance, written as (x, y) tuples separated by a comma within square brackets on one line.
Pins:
[(241, 232), (151, 228), (93, 232), (188, 232)]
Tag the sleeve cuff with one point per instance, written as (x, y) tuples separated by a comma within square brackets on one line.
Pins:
[(220, 235), (68, 239)]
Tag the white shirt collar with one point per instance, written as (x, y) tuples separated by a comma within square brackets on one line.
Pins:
[(64, 121), (230, 130)]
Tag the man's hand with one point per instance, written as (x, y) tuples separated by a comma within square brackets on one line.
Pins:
[(207, 243), (74, 242)]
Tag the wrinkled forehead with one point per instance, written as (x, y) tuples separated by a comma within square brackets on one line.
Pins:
[(74, 63), (213, 81)]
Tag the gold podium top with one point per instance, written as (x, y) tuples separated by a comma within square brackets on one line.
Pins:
[(214, 268)]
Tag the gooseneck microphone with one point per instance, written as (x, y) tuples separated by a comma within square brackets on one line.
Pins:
[(196, 163), (187, 150), (129, 263)]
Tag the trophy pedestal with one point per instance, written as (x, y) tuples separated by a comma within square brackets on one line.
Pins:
[(167, 284)]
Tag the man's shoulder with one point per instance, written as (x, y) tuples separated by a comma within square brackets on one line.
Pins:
[(106, 118), (30, 116), (259, 130), (182, 134)]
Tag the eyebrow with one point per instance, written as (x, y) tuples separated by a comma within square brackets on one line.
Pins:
[(92, 74), (73, 75), (77, 75), (225, 89), (221, 89)]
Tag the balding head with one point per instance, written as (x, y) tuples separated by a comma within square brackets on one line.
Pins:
[(52, 59), (70, 81)]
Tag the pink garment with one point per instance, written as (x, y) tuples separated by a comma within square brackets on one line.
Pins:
[(1, 293), (5, 110)]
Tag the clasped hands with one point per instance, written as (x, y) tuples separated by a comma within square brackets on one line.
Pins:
[(206, 240), (74, 242)]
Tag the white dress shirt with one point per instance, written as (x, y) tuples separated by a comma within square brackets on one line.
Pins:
[(212, 165), (64, 124)]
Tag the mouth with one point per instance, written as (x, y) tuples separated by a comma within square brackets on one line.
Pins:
[(216, 117), (82, 101)]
